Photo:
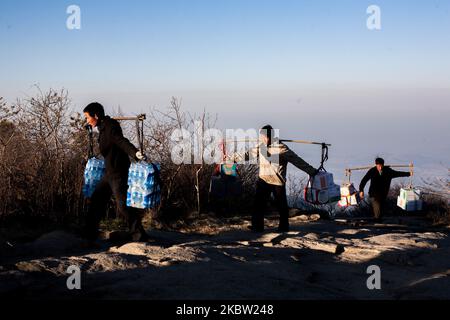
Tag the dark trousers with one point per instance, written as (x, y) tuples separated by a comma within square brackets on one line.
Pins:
[(263, 192), (117, 186), (378, 207)]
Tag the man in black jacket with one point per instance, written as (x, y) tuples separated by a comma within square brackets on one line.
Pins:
[(380, 182), (116, 150)]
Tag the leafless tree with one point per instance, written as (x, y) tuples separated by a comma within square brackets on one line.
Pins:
[(40, 156), (44, 148), (295, 187)]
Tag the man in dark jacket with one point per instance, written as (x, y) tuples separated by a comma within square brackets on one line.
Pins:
[(380, 182), (116, 150)]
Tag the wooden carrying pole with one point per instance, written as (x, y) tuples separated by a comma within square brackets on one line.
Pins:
[(348, 171), (281, 140), (306, 142), (324, 146), (140, 117)]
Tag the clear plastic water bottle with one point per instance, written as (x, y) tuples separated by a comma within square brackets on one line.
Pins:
[(142, 176), (138, 199), (93, 173), (141, 186)]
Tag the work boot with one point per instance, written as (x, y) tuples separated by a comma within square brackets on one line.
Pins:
[(378, 220), (283, 229), (139, 236), (283, 226), (119, 236)]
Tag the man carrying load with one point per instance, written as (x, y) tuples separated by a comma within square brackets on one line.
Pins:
[(116, 150), (273, 158), (380, 178)]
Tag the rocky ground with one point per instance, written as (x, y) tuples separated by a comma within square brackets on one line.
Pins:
[(318, 259)]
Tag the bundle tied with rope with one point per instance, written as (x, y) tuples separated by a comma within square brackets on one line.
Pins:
[(409, 198), (95, 167), (321, 188), (144, 178)]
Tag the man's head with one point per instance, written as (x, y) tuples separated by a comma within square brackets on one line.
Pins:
[(379, 162), (93, 113), (266, 134)]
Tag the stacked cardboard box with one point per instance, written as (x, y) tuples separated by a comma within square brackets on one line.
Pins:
[(409, 200), (322, 180), (349, 195), (322, 189)]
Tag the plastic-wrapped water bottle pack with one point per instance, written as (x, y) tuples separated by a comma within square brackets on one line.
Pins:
[(144, 190), (94, 172)]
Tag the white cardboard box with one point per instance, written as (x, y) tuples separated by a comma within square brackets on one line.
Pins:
[(410, 194), (348, 189), (347, 201), (323, 180), (322, 196), (334, 193), (316, 196), (410, 205)]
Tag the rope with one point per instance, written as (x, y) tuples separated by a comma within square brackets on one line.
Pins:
[(324, 157), (348, 173), (158, 182), (411, 178), (140, 133)]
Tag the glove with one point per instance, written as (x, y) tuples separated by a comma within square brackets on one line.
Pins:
[(140, 156)]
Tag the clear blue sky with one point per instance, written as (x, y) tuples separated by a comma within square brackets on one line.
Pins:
[(224, 44), (288, 62)]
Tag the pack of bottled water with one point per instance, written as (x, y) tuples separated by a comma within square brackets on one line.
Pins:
[(95, 169), (144, 190)]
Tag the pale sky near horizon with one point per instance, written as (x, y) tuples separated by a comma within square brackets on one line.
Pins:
[(310, 68)]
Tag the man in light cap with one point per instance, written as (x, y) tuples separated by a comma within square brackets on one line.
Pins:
[(273, 158)]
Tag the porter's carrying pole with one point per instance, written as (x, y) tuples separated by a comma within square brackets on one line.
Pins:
[(139, 128), (140, 117), (324, 145), (348, 171), (281, 140)]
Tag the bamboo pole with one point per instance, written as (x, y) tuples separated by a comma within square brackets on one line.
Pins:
[(411, 165), (281, 140), (140, 117), (306, 142), (348, 171)]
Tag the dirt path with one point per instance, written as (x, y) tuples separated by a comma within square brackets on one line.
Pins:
[(316, 260)]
